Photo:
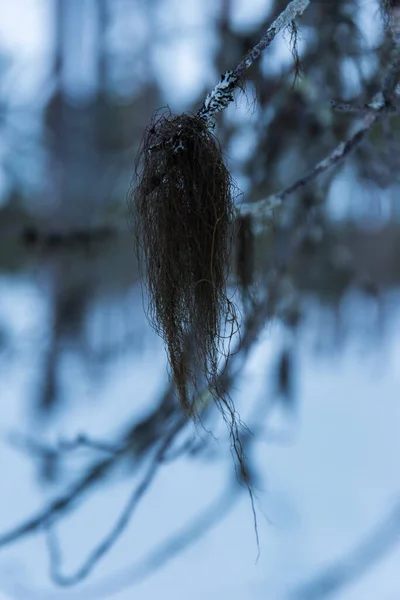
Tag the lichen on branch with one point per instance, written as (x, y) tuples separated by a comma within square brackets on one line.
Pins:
[(182, 209)]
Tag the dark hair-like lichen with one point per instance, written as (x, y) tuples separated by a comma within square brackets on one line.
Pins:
[(182, 209)]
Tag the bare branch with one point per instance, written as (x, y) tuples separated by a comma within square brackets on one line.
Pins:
[(167, 550), (76, 238), (110, 539), (61, 505), (173, 546), (132, 441), (83, 441), (341, 151)]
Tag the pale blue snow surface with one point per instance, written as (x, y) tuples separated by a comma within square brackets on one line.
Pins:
[(330, 481)]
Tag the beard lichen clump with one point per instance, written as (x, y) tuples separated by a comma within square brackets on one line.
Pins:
[(183, 218)]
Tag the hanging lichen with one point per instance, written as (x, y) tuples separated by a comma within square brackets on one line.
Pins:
[(182, 209)]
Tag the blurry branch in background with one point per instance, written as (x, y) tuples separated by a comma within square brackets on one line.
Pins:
[(258, 209), (165, 551), (392, 9), (156, 430), (380, 106), (51, 240), (345, 107), (138, 441), (60, 506), (175, 544), (355, 564), (63, 448), (120, 525), (170, 548)]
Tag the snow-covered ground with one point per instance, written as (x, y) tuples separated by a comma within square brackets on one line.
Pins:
[(328, 471)]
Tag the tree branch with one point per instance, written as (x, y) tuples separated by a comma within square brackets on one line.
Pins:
[(222, 94), (63, 447), (381, 105), (365, 109), (59, 506), (133, 441), (110, 539), (341, 151)]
